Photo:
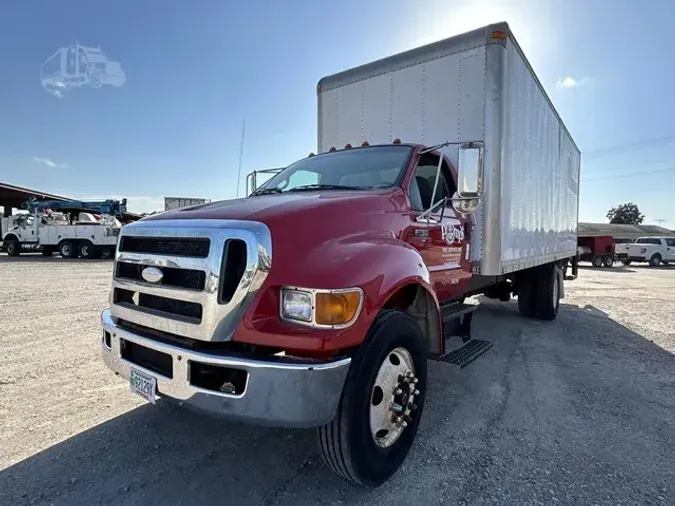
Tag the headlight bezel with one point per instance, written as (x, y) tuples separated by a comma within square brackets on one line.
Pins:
[(312, 292)]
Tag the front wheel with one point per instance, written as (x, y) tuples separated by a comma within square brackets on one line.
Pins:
[(13, 247), (381, 404), (596, 261)]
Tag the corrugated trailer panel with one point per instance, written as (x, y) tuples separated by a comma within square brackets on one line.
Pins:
[(539, 173)]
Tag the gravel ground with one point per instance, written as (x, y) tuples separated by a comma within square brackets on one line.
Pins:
[(578, 411)]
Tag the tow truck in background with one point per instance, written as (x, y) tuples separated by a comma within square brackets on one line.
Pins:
[(72, 228), (443, 172)]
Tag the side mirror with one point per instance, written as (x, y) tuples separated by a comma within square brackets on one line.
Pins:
[(470, 170)]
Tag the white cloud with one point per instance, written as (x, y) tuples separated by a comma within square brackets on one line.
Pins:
[(571, 82), (50, 163)]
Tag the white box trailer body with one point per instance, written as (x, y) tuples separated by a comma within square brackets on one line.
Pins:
[(172, 203), (476, 86)]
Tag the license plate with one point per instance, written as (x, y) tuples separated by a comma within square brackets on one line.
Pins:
[(143, 384)]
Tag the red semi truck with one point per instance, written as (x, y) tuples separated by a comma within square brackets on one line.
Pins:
[(443, 172)]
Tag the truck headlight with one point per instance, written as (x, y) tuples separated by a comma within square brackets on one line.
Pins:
[(296, 305), (321, 308)]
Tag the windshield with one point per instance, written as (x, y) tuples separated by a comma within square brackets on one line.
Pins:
[(359, 168)]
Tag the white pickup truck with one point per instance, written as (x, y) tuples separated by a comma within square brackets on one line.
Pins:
[(655, 250)]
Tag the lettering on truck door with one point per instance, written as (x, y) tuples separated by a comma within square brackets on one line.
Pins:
[(442, 241)]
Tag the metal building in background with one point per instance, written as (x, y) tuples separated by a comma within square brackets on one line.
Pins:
[(171, 203)]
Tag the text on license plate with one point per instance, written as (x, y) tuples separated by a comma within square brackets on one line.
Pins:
[(143, 384)]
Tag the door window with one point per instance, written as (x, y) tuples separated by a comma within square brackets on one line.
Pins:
[(422, 184)]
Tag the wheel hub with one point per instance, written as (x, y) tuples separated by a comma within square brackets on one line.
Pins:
[(392, 404)]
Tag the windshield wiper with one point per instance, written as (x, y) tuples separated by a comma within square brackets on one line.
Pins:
[(308, 187), (266, 191)]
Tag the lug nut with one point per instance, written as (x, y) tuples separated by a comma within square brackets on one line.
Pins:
[(397, 408), (409, 374), (398, 391), (416, 392), (396, 419), (404, 424), (412, 405), (414, 380)]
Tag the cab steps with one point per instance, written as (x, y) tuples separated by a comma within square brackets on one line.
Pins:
[(457, 323), (467, 353)]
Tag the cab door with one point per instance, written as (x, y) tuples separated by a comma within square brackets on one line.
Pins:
[(441, 237)]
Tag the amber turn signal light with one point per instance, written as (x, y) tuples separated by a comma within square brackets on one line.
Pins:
[(337, 308)]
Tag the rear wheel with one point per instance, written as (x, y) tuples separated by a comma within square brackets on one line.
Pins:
[(67, 249), (88, 250), (596, 261), (527, 293), (548, 301), (655, 260), (625, 262), (13, 247), (381, 403), (609, 261)]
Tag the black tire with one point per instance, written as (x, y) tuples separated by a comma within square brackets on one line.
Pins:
[(596, 261), (346, 443), (47, 251), (609, 261), (626, 262), (527, 293), (68, 249), (87, 250), (655, 260), (12, 247), (548, 300)]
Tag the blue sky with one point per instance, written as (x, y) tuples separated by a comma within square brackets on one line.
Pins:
[(195, 70)]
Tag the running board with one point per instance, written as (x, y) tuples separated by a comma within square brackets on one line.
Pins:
[(467, 353), (457, 320)]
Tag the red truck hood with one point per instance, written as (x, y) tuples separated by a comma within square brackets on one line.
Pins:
[(269, 208)]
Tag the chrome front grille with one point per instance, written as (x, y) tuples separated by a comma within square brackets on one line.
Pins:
[(211, 270)]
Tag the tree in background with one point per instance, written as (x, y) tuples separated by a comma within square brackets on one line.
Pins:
[(626, 214)]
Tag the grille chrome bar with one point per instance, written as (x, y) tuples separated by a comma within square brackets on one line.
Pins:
[(218, 321), (163, 291)]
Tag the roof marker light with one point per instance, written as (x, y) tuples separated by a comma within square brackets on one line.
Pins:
[(348, 146), (397, 141), (365, 143), (332, 148)]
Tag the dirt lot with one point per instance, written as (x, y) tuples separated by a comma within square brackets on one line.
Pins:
[(580, 411)]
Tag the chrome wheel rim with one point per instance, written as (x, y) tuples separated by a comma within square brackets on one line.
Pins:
[(392, 398)]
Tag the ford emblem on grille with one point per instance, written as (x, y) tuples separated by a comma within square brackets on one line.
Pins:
[(152, 275)]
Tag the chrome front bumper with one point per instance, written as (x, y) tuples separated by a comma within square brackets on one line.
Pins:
[(276, 394)]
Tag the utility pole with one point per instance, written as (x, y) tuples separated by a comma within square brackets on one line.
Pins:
[(241, 154), (660, 221)]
